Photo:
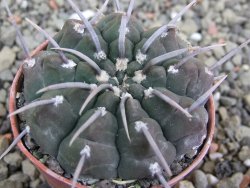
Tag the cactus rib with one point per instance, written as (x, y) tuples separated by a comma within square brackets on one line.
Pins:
[(168, 100), (100, 112), (142, 127)]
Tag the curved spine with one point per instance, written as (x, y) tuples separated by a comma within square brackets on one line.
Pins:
[(171, 24), (130, 8), (100, 12), (117, 5), (93, 94), (124, 98), (204, 97), (152, 38), (151, 91), (100, 52), (156, 170), (85, 153), (14, 143), (142, 127), (197, 52), (56, 101), (67, 85), (22, 41), (164, 57), (100, 112), (83, 57), (229, 55), (51, 40), (122, 36)]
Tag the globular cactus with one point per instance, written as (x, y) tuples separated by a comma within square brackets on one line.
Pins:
[(120, 99)]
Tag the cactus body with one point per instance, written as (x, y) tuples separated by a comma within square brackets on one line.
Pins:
[(113, 155)]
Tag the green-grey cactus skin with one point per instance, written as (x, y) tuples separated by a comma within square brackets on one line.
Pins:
[(101, 137), (112, 154), (137, 154), (170, 119)]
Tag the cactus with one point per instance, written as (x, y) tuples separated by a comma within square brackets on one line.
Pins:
[(112, 100)]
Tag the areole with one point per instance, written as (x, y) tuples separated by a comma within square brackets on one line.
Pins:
[(58, 181)]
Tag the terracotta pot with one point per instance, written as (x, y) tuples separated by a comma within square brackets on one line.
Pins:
[(57, 181)]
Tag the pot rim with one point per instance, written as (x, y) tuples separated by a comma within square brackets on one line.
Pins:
[(44, 169)]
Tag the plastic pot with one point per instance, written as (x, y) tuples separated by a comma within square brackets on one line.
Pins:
[(58, 181)]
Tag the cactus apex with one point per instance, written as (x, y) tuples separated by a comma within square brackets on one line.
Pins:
[(121, 64)]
